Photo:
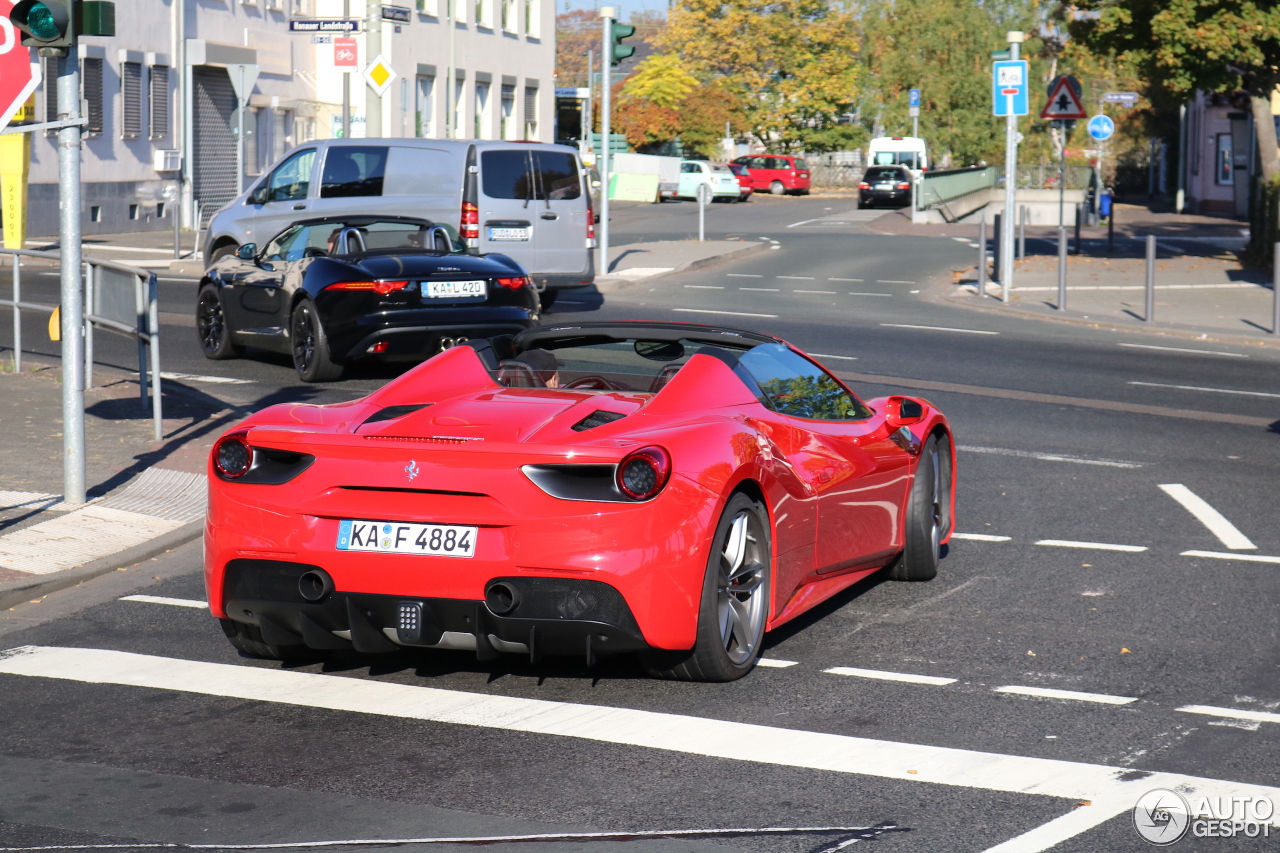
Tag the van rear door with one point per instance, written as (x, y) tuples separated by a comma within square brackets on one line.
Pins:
[(561, 244), (507, 209)]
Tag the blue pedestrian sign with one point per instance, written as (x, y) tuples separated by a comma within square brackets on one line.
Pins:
[(1009, 87), (1101, 127), (913, 97)]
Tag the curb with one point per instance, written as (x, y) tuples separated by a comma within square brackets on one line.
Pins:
[(614, 285), (38, 586)]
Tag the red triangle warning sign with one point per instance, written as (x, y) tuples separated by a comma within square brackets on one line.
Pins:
[(1064, 104)]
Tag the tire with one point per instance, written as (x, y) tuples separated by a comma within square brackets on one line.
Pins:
[(776, 188), (310, 345), (928, 514), (548, 298), (211, 326), (221, 252), (247, 640), (730, 626)]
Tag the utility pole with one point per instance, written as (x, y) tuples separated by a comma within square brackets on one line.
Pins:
[(451, 84), (346, 81), (72, 292), (1015, 39), (372, 100), (588, 123), (607, 14)]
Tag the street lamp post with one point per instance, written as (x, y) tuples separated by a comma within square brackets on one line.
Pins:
[(1015, 39), (607, 14)]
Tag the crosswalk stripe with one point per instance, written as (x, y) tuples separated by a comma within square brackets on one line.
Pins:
[(1111, 790)]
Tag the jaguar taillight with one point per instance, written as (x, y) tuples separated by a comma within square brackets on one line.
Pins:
[(515, 283), (381, 287)]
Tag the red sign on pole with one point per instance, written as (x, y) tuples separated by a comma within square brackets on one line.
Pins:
[(18, 77), (344, 52)]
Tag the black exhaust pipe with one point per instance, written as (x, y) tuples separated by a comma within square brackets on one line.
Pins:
[(502, 598), (315, 585)]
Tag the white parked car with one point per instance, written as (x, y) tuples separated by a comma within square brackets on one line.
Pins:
[(718, 176)]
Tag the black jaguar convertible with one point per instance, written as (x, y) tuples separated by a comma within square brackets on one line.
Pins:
[(336, 290)]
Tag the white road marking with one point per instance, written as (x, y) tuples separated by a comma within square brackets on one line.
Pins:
[(1098, 546), (195, 377), (797, 277), (98, 247), (1048, 457), (937, 328), (1111, 790), (890, 676), (704, 287), (891, 281), (839, 357), (743, 275), (1217, 523), (1184, 349), (775, 247), (856, 293), (1214, 390), (726, 313), (1050, 693), (775, 663), (982, 537), (801, 222), (822, 292), (1218, 555), (1231, 713), (160, 599), (858, 280), (764, 289), (961, 239)]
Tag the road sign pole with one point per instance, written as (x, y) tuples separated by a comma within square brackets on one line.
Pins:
[(372, 99), (607, 14), (72, 297), (243, 98), (1062, 175), (346, 85), (1010, 177)]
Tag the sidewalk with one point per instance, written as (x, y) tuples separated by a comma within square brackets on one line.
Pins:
[(635, 262), (145, 497)]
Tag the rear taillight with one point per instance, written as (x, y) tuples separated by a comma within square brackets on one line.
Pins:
[(904, 186), (382, 287), (470, 229), (515, 283), (864, 186), (591, 223), (232, 457), (644, 473)]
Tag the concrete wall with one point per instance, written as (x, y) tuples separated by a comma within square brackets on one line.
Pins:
[(1042, 207)]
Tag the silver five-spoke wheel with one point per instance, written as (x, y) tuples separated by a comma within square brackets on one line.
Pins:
[(740, 604)]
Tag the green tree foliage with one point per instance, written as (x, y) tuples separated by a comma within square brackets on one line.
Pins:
[(576, 33), (697, 118), (660, 79), (791, 65)]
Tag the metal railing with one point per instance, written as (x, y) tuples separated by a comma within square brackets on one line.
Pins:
[(1048, 177), (118, 298)]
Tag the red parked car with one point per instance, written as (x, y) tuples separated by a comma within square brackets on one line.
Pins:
[(668, 489), (744, 181), (777, 173)]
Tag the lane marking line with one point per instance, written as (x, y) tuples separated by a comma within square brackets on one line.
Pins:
[(891, 281), (796, 277), (704, 287), (1184, 349), (1048, 457), (196, 377), (1198, 388), (725, 313), (802, 222), (856, 293), (775, 663), (1079, 820), (1050, 693), (1218, 555), (742, 275), (981, 537), (160, 599), (764, 289), (1098, 546), (858, 280), (937, 328), (1228, 534), (822, 292), (839, 357), (908, 677), (1231, 713)]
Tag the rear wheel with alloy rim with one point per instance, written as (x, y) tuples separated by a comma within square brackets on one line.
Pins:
[(928, 514), (777, 188), (211, 326), (735, 601), (311, 356)]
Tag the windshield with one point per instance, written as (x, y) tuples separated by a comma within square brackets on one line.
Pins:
[(374, 236), (633, 365), (897, 158)]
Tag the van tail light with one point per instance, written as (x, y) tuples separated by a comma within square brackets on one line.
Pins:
[(515, 283), (382, 287), (470, 229), (644, 473), (591, 223)]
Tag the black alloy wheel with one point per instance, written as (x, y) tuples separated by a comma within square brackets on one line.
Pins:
[(212, 328), (311, 356)]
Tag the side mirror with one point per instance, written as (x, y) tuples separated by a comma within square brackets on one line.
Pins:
[(247, 252), (903, 411), (258, 196)]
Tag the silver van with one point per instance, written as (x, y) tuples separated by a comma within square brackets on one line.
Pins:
[(524, 199)]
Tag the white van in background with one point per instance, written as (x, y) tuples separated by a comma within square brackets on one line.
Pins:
[(898, 151)]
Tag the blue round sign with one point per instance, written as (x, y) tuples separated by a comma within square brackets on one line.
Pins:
[(1101, 127)]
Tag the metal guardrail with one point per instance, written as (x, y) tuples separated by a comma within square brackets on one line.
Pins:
[(942, 187), (1047, 177), (118, 298)]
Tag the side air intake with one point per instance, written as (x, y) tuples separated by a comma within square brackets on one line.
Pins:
[(597, 418)]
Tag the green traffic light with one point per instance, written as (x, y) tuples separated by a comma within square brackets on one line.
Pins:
[(618, 33), (42, 23)]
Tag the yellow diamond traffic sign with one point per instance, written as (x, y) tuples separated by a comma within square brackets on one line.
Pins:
[(379, 75)]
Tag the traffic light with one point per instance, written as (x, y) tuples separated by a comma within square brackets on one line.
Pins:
[(621, 51), (57, 23)]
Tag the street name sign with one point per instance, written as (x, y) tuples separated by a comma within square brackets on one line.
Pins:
[(1101, 127), (1009, 87), (324, 26), (1127, 99), (398, 14), (1064, 102)]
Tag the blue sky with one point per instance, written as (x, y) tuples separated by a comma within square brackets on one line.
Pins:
[(623, 6)]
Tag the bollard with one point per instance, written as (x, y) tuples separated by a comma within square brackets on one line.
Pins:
[(1022, 233), (1079, 216), (1275, 291), (998, 251), (982, 258), (1150, 314), (1111, 230), (1062, 268)]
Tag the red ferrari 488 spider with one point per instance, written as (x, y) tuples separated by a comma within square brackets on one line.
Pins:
[(675, 490)]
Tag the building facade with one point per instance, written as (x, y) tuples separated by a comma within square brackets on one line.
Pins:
[(163, 136), (1221, 153)]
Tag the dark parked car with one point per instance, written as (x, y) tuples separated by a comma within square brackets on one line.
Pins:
[(336, 290), (885, 184), (744, 181)]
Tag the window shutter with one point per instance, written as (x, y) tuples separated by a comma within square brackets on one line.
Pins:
[(530, 104), (50, 85), (91, 86), (130, 100), (158, 101)]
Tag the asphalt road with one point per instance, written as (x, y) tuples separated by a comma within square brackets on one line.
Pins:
[(1067, 434)]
